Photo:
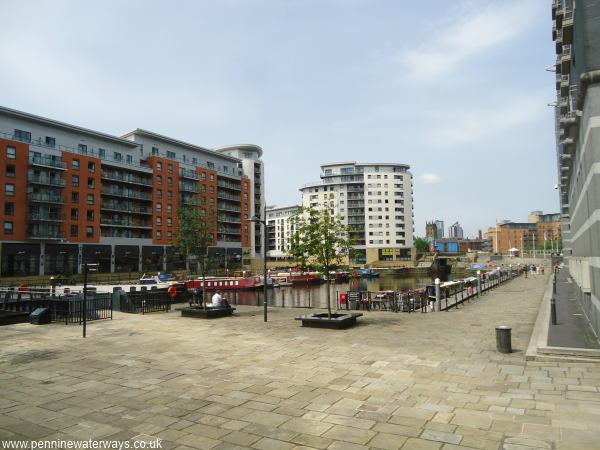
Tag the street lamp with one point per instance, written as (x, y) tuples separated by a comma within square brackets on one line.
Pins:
[(255, 219)]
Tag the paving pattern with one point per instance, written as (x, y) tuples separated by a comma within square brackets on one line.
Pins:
[(398, 380)]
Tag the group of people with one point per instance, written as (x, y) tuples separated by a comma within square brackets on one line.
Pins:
[(217, 300), (532, 269)]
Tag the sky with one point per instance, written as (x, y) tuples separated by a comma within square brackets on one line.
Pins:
[(457, 90)]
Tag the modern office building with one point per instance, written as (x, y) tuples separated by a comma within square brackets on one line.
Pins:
[(375, 200), (576, 34), (440, 228), (280, 230), (71, 195), (455, 231)]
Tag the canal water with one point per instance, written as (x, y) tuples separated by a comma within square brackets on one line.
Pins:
[(315, 296)]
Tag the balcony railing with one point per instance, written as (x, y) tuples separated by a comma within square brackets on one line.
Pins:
[(126, 178), (45, 217), (124, 223), (226, 185), (224, 196), (47, 181), (45, 198), (228, 219), (125, 208), (47, 161), (127, 194), (188, 174), (226, 207), (45, 234), (188, 187)]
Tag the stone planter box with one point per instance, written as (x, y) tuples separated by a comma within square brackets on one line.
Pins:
[(337, 322), (208, 313)]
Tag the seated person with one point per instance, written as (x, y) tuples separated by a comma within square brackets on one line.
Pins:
[(217, 300)]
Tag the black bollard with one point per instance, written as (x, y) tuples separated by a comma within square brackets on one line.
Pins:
[(553, 310), (503, 339)]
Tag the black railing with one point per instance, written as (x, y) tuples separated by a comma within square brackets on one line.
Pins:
[(66, 308), (145, 302)]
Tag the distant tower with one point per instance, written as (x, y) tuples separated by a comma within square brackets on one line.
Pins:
[(440, 228), (431, 231)]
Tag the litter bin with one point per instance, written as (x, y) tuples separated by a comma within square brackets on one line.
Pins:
[(503, 344), (39, 316)]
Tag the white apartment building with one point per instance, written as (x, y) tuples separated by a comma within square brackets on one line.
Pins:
[(375, 199), (280, 230)]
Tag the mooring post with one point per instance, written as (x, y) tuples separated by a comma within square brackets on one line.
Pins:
[(438, 297)]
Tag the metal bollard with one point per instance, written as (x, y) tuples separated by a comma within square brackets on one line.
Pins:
[(503, 339), (553, 310), (438, 299)]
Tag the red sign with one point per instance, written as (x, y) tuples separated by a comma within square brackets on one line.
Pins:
[(343, 299)]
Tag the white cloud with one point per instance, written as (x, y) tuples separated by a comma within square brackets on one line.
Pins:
[(460, 126), (470, 31), (429, 178)]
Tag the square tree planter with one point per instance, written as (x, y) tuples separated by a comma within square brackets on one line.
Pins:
[(208, 313), (337, 321)]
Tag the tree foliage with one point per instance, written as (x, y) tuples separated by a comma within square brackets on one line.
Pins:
[(196, 233), (320, 238), (422, 245)]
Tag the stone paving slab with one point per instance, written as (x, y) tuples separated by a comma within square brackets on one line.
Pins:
[(397, 380)]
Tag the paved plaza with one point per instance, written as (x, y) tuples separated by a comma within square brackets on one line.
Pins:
[(398, 380)]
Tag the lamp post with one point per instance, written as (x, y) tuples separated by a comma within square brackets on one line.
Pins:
[(255, 219)]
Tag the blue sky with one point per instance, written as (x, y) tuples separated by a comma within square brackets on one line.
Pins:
[(457, 90)]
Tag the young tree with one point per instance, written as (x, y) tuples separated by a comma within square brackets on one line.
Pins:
[(196, 232), (322, 238), (422, 245)]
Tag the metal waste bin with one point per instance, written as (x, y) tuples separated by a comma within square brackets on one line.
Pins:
[(503, 344), (39, 316)]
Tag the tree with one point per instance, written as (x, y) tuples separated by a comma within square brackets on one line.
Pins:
[(196, 233), (422, 245), (322, 238)]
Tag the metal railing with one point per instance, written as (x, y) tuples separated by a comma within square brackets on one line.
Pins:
[(48, 162), (63, 308), (125, 208), (126, 178), (144, 302), (47, 181), (44, 197), (127, 193)]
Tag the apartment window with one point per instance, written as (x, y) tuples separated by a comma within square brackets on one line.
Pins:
[(212, 189), (129, 159), (75, 164), (194, 160), (158, 235), (158, 207), (74, 230), (210, 165), (170, 195), (169, 235), (9, 209), (91, 167), (159, 166), (11, 153), (170, 168), (154, 151), (203, 176), (89, 231), (159, 220), (74, 197), (170, 181), (102, 153), (91, 183), (169, 221), (10, 170), (8, 228), (74, 214), (117, 156), (159, 193), (21, 135), (169, 208), (158, 179), (90, 199), (75, 180), (82, 148), (9, 190), (50, 141), (171, 155), (212, 177), (90, 215)]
